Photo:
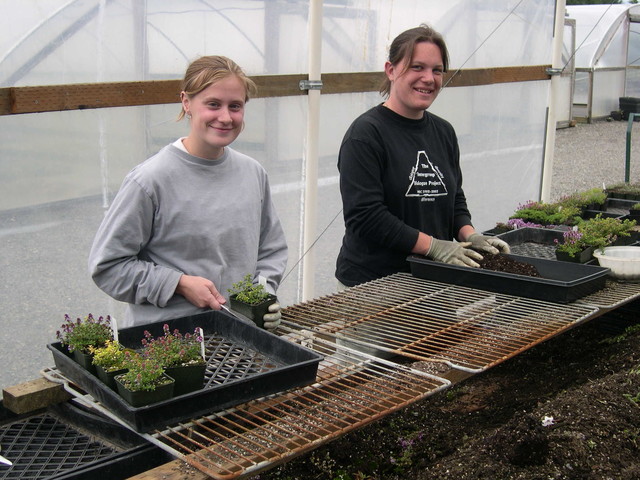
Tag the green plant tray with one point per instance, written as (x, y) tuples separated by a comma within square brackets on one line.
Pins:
[(560, 282), (244, 362)]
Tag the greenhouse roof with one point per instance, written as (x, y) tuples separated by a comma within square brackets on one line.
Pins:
[(600, 28)]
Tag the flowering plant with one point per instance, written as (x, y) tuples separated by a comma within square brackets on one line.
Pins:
[(601, 232), (143, 373), (111, 357), (596, 232), (572, 243), (248, 292), (81, 334), (173, 348), (519, 223)]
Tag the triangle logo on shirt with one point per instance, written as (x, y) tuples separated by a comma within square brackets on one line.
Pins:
[(426, 180)]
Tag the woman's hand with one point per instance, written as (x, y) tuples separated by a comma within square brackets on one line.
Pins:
[(488, 244), (200, 291), (454, 253)]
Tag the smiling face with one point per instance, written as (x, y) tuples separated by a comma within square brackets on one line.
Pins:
[(415, 85), (217, 115)]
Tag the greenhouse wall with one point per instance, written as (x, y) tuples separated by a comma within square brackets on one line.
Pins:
[(60, 170)]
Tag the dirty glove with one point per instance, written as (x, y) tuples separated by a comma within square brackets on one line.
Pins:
[(272, 319), (453, 252), (488, 244)]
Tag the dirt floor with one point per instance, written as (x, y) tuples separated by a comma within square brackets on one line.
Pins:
[(566, 409)]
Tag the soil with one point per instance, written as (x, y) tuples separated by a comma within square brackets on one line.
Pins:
[(565, 409), (502, 263)]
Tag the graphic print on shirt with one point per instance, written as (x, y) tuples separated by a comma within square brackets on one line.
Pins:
[(425, 179)]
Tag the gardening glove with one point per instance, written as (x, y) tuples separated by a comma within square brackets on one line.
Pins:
[(272, 319), (454, 253), (488, 244)]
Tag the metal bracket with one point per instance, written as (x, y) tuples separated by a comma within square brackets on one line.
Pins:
[(310, 84), (553, 71)]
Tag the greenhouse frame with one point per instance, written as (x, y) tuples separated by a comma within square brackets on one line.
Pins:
[(602, 47)]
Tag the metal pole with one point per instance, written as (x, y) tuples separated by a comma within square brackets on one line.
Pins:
[(550, 137), (311, 154), (627, 161)]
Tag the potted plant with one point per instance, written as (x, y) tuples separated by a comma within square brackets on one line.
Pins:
[(592, 199), (145, 381), (602, 232), (629, 191), (634, 212), (109, 361), (79, 335), (594, 234), (573, 248), (547, 213), (251, 300), (180, 356)]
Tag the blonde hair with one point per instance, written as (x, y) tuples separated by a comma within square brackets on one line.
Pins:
[(207, 70), (403, 45)]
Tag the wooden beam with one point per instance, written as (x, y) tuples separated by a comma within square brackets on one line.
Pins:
[(491, 76), (55, 98)]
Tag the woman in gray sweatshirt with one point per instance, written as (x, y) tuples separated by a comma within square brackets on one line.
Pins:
[(197, 216)]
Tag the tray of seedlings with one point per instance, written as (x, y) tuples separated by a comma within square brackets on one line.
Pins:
[(243, 362)]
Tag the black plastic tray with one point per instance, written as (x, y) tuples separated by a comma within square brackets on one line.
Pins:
[(244, 362), (613, 207), (533, 242), (560, 282), (544, 236)]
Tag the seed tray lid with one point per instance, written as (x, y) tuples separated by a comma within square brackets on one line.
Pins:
[(244, 362), (560, 282)]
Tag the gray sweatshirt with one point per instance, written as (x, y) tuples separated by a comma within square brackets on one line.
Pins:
[(176, 213)]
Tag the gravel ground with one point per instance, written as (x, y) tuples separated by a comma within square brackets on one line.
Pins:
[(590, 155)]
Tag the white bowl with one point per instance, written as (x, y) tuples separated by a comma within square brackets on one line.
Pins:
[(624, 262)]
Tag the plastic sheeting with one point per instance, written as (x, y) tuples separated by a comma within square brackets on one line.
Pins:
[(60, 170), (607, 42)]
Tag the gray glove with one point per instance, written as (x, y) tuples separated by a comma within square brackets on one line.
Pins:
[(272, 319), (488, 244), (453, 252)]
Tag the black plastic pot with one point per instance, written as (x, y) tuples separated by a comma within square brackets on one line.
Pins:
[(140, 398), (583, 257), (188, 378), (256, 312), (108, 377), (85, 360)]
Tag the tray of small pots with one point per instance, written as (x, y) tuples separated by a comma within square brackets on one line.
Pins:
[(224, 361)]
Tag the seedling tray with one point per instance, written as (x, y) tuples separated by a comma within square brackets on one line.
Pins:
[(244, 362), (561, 282)]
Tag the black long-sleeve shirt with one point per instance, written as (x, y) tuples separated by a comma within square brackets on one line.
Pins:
[(398, 177)]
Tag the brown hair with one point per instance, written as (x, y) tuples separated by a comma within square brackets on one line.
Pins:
[(207, 70), (403, 45)]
